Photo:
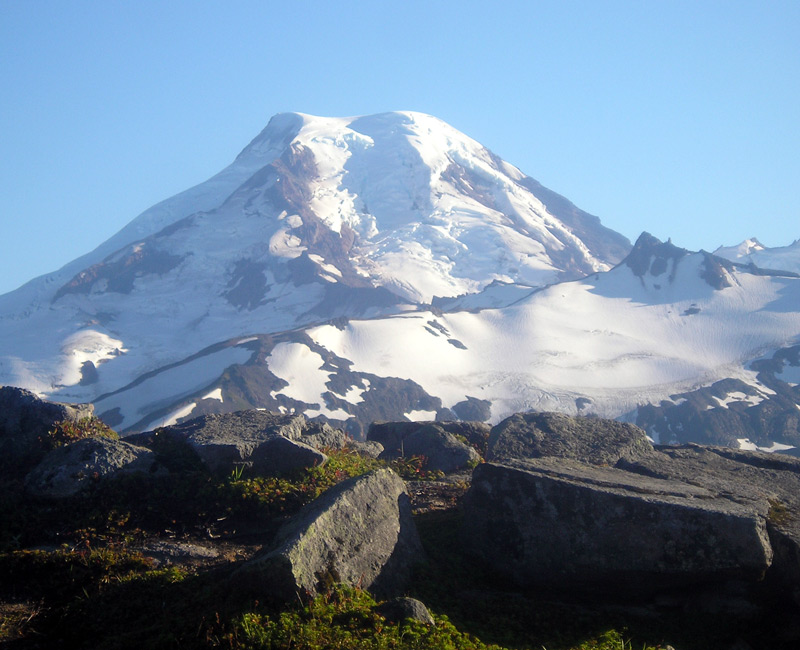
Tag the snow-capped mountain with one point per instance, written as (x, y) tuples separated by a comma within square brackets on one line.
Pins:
[(317, 219), (751, 251)]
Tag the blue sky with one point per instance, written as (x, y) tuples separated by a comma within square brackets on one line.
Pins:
[(679, 118)]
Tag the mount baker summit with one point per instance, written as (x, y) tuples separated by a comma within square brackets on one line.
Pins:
[(389, 267)]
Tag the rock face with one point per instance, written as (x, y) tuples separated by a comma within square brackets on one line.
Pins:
[(278, 456), (436, 441), (761, 480), (573, 501), (554, 520), (443, 451), (359, 533), (68, 470), (591, 440), (226, 441), (24, 418)]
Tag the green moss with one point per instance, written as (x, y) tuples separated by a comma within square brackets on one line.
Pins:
[(344, 618), (778, 513)]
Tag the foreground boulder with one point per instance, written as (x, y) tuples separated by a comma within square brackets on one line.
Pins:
[(24, 419), (278, 456), (440, 443), (67, 470), (226, 441), (591, 440), (442, 450), (769, 481), (561, 522), (358, 533)]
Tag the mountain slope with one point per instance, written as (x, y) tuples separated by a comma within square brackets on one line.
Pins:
[(316, 219), (665, 321), (751, 251)]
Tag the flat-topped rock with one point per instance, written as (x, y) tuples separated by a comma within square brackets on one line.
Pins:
[(67, 470), (560, 521), (225, 441), (591, 440)]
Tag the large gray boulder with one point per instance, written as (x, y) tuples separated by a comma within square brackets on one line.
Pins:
[(24, 419), (441, 443), (562, 522), (359, 533), (392, 435), (279, 456), (226, 441), (591, 440), (67, 470), (442, 450), (322, 435), (770, 481)]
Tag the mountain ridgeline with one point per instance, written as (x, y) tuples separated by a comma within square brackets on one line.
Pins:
[(389, 267)]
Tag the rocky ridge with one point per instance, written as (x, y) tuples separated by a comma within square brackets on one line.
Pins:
[(572, 506)]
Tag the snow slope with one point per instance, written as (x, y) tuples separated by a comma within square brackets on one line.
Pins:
[(600, 345), (317, 219), (751, 251)]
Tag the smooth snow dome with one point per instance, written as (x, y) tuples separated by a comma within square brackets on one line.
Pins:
[(751, 251), (610, 338), (432, 213)]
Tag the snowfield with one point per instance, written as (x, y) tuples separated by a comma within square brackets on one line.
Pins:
[(610, 338), (389, 266)]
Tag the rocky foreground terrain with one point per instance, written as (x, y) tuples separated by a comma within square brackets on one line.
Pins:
[(261, 530)]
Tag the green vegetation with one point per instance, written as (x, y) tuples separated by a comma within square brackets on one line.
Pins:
[(345, 618), (92, 589), (778, 512), (68, 431)]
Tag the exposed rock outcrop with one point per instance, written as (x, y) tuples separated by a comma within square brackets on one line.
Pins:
[(67, 470), (591, 440), (24, 418), (574, 501), (558, 521), (226, 441), (359, 533), (279, 456), (436, 441), (443, 451), (769, 482)]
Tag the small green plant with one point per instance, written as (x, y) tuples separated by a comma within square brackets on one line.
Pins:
[(68, 431), (778, 512), (412, 468)]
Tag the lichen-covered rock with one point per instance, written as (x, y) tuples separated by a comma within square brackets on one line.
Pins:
[(438, 441), (67, 470), (322, 435), (398, 610), (442, 450), (279, 456), (591, 440), (24, 419), (562, 522), (358, 533), (369, 448), (225, 441), (770, 480)]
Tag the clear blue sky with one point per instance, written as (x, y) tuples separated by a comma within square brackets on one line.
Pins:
[(676, 117)]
